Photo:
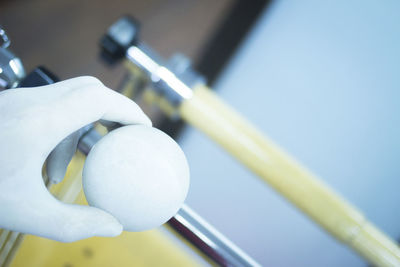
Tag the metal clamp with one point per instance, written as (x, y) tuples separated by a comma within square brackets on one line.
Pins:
[(173, 79), (6, 41), (11, 68)]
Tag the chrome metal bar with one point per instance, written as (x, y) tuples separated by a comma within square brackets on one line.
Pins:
[(173, 79), (207, 239)]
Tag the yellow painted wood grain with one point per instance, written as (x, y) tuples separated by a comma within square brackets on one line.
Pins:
[(226, 127)]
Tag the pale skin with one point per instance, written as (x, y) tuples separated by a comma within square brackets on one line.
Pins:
[(33, 121)]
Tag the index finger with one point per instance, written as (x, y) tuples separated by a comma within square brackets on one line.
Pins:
[(78, 102)]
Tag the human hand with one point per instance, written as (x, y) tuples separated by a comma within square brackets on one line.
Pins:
[(33, 121)]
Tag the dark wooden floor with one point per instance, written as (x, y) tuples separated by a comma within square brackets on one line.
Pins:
[(63, 35)]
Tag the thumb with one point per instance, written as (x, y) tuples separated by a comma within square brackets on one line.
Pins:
[(35, 211), (74, 222)]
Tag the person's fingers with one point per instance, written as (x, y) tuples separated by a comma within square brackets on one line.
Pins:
[(58, 160), (78, 102), (90, 98), (75, 222), (39, 213)]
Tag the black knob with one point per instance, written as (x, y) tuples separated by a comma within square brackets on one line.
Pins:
[(120, 36), (39, 77)]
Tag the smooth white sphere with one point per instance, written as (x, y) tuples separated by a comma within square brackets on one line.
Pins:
[(138, 174)]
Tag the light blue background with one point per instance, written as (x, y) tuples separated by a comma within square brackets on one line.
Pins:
[(322, 79)]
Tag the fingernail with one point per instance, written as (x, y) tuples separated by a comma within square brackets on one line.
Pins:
[(109, 229)]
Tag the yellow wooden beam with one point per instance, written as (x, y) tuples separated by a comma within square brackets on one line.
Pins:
[(226, 127)]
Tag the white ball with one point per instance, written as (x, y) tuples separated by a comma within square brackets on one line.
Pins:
[(139, 175)]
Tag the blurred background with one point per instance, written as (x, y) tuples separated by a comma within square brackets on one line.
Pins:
[(321, 78), (64, 35)]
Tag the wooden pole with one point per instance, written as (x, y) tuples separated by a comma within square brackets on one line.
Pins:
[(221, 123)]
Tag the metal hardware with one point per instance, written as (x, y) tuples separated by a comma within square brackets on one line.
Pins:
[(172, 79), (6, 41), (11, 68)]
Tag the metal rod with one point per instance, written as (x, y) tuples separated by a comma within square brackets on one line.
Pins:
[(207, 239)]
